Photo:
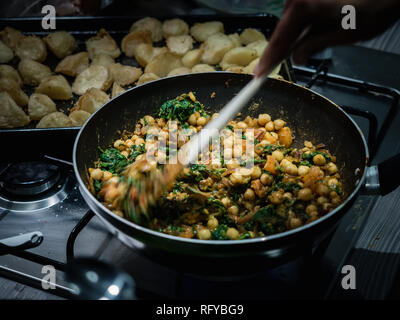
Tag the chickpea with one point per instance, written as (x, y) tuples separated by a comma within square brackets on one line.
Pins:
[(332, 168), (149, 120), (241, 125), (336, 201), (311, 208), (234, 210), (321, 200), (284, 163), (302, 170), (313, 214), (226, 202), (333, 182), (249, 194), (269, 126), (139, 141), (119, 144), (266, 179), (107, 175), (201, 121), (291, 169), (96, 174), (278, 155), (197, 114), (129, 143), (212, 223), (249, 205), (215, 115), (232, 233), (326, 206), (287, 196), (279, 124), (295, 223), (255, 172), (263, 119), (319, 160), (276, 197), (305, 194), (204, 234), (125, 153), (233, 164), (322, 189)]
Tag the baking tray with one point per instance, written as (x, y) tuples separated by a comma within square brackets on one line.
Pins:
[(58, 142)]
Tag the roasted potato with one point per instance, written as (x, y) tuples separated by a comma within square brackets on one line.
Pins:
[(162, 64), (152, 25), (250, 35), (235, 38), (9, 72), (147, 77), (74, 64), (179, 71), (132, 39), (234, 68), (56, 87), (61, 43), (6, 54), (145, 52), (40, 105), (174, 27), (249, 69), (202, 31), (239, 56), (102, 60), (259, 46), (92, 100), (31, 47), (180, 44), (14, 90), (192, 58), (33, 72), (10, 37), (78, 117), (215, 48), (102, 43), (11, 115), (202, 68), (93, 77), (124, 75), (55, 120), (116, 90)]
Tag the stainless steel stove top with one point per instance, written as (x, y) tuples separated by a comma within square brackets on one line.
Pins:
[(47, 200)]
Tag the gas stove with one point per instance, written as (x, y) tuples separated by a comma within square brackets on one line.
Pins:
[(43, 196)]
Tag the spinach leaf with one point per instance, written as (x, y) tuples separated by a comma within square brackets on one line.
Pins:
[(136, 150), (180, 109), (112, 160)]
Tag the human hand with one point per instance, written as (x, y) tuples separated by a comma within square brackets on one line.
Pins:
[(319, 22)]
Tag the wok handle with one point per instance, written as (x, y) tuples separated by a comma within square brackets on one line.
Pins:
[(389, 174)]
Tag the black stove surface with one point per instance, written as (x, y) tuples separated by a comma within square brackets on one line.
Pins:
[(54, 206)]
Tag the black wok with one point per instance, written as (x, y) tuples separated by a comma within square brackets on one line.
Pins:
[(311, 117)]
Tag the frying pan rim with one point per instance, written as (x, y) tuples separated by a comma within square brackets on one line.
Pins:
[(130, 224)]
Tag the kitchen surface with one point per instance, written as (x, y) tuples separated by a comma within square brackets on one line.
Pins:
[(43, 194)]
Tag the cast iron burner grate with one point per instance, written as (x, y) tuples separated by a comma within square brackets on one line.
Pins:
[(314, 254)]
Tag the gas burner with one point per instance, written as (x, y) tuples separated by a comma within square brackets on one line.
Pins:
[(29, 186), (29, 178)]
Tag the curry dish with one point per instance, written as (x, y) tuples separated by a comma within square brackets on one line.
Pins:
[(254, 184)]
